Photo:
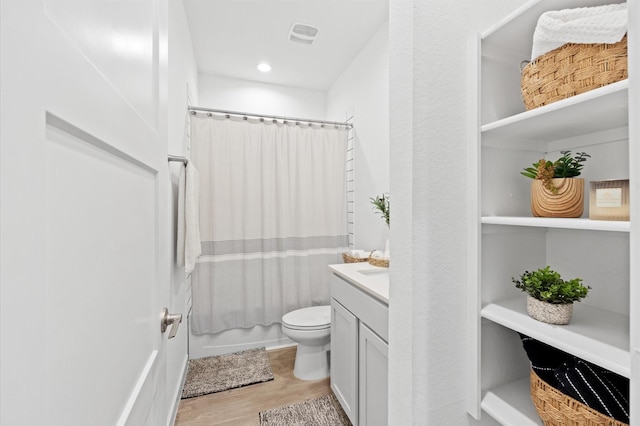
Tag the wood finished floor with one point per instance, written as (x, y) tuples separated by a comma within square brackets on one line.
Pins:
[(241, 406)]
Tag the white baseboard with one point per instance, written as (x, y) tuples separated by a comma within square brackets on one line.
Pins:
[(281, 346)]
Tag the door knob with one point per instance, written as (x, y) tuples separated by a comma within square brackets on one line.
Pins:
[(172, 320)]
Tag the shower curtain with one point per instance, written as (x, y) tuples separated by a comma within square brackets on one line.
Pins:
[(273, 215)]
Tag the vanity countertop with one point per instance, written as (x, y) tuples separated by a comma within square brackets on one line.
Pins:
[(373, 280)]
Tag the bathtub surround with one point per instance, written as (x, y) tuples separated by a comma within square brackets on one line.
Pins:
[(223, 372), (283, 219)]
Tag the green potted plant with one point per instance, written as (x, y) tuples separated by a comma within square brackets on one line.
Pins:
[(382, 204), (556, 190), (549, 297)]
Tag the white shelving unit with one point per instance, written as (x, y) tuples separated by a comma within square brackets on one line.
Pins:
[(507, 240)]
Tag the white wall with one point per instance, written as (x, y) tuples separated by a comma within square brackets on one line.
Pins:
[(363, 89), (259, 98), (182, 74), (428, 107)]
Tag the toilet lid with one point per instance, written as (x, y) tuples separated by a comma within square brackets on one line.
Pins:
[(313, 317)]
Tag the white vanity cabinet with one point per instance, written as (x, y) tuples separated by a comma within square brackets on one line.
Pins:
[(505, 240), (373, 380), (344, 359), (359, 349)]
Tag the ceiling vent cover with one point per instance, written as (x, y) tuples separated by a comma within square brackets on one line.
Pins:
[(303, 33)]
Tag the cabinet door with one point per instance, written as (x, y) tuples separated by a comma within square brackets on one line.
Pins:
[(374, 360), (344, 359)]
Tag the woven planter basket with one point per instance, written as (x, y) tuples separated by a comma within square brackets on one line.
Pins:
[(572, 69), (558, 409), (347, 258), (383, 263)]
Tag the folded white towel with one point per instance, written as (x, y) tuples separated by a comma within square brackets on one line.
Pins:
[(377, 254), (355, 253), (188, 239), (599, 24)]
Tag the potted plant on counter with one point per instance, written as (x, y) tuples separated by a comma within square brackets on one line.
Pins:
[(556, 190), (383, 206), (549, 297)]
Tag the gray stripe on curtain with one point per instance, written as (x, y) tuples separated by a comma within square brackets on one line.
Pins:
[(261, 245), (258, 291)]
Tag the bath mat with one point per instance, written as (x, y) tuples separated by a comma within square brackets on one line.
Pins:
[(229, 371), (323, 411)]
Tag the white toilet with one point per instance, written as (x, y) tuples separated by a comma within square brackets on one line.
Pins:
[(311, 329)]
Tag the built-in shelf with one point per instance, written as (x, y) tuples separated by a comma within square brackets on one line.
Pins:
[(605, 108), (594, 334), (514, 33), (563, 223), (511, 404), (502, 133)]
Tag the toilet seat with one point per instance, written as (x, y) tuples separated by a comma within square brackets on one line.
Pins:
[(311, 318)]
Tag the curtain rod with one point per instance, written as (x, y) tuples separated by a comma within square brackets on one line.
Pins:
[(245, 115)]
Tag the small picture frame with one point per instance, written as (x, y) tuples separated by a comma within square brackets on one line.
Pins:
[(609, 199)]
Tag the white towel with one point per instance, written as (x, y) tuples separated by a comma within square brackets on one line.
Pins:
[(188, 239), (599, 24), (377, 254)]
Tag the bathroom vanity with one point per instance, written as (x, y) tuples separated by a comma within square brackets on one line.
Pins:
[(359, 336)]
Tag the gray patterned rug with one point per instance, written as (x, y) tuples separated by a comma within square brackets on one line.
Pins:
[(323, 411), (223, 372)]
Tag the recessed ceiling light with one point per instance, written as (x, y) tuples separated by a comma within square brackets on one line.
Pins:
[(264, 67)]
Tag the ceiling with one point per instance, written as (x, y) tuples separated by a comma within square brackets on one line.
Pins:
[(230, 38)]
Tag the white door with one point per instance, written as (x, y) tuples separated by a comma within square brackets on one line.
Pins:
[(83, 224)]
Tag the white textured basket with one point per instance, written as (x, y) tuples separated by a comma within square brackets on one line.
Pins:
[(549, 312)]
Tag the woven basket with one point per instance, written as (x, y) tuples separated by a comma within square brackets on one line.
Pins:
[(347, 258), (379, 262), (572, 69), (558, 409)]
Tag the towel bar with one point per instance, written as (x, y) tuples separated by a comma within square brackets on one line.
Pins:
[(183, 160)]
